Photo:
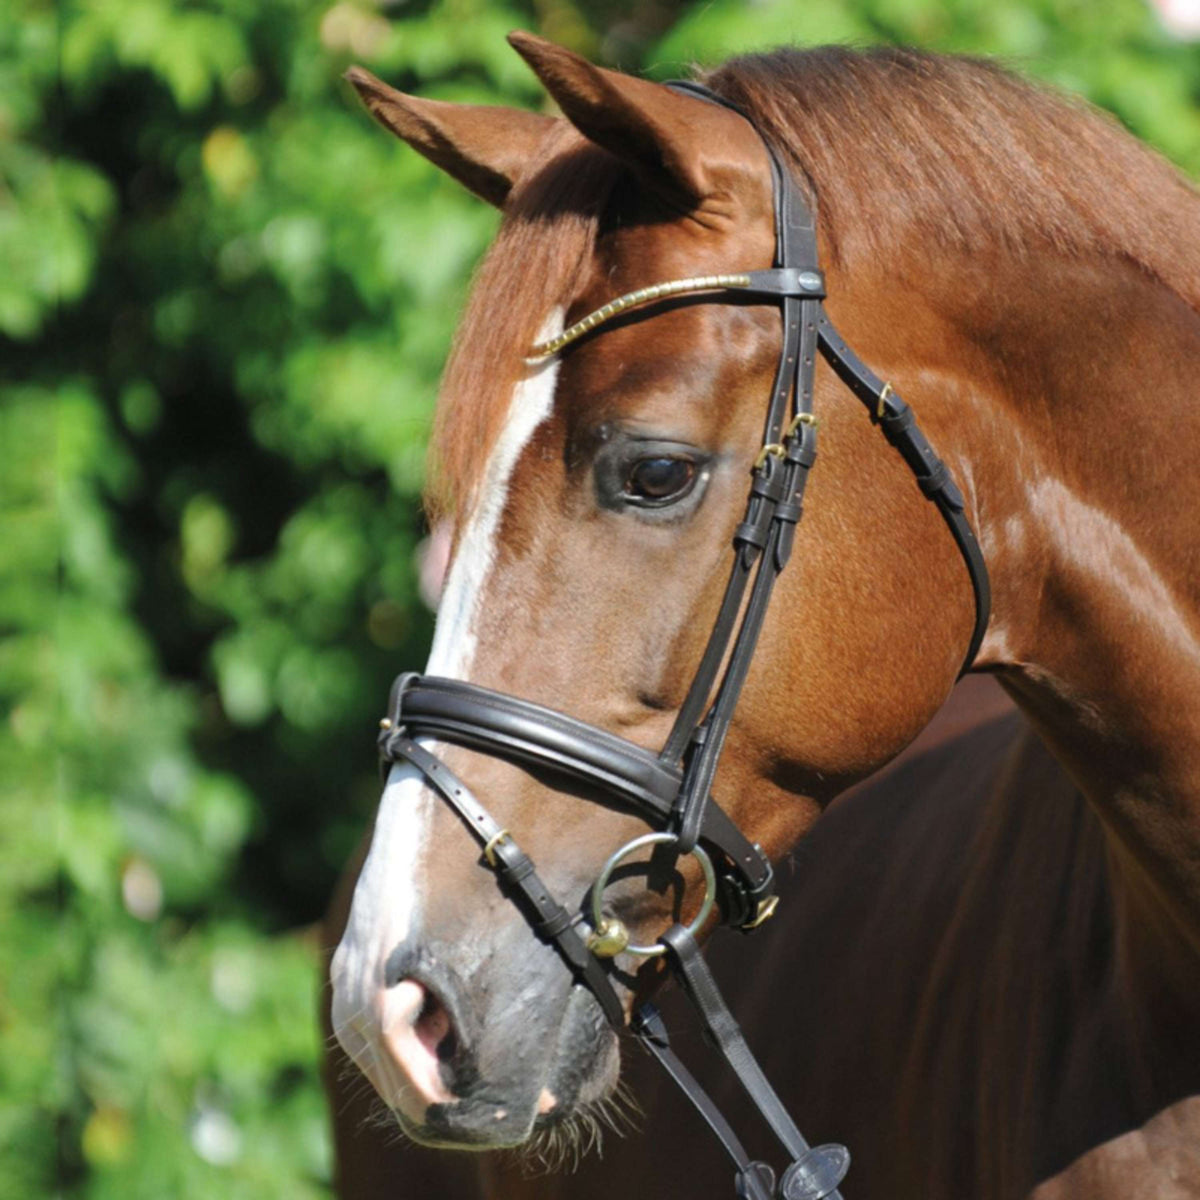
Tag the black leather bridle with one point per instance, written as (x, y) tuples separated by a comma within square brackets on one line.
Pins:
[(671, 790)]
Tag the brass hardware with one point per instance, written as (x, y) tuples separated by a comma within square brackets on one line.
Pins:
[(385, 723), (884, 393), (804, 418), (614, 859), (646, 295), (766, 910), (489, 850), (775, 448), (609, 938)]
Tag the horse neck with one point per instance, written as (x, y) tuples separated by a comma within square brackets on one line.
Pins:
[(1078, 448)]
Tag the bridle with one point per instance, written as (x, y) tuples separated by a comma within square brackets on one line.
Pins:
[(671, 790)]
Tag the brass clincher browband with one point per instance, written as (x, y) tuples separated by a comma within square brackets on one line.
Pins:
[(671, 790)]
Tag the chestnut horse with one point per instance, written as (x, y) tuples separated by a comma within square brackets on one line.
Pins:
[(977, 1033), (1027, 274)]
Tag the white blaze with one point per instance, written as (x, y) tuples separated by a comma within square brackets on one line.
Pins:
[(385, 899)]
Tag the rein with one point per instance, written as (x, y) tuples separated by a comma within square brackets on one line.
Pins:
[(671, 790)]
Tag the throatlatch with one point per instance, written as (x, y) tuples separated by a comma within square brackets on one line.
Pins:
[(672, 790)]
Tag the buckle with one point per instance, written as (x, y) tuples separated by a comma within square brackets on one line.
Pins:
[(775, 449), (763, 913), (489, 849)]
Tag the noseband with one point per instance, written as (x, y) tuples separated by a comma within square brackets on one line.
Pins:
[(671, 790)]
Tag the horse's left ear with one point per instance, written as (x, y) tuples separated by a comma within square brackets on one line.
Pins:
[(485, 148), (704, 152)]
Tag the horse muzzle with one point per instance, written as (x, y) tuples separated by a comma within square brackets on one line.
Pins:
[(475, 1055)]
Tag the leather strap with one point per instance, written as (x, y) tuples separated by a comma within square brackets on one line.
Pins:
[(899, 425), (775, 504), (753, 1180), (814, 1173)]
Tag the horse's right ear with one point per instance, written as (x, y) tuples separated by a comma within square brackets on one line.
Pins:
[(484, 148)]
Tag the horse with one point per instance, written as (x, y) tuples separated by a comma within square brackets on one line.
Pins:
[(983, 241)]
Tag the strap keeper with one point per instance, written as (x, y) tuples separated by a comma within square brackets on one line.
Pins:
[(385, 743), (803, 453), (751, 533), (391, 727), (511, 863), (553, 925), (770, 485), (896, 420), (952, 495), (755, 1182), (936, 480)]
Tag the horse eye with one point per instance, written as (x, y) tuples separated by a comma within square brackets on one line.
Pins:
[(654, 481)]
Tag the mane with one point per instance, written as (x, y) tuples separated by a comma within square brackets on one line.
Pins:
[(899, 148)]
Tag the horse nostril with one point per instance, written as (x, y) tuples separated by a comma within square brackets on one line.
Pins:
[(434, 1028), (418, 1037)]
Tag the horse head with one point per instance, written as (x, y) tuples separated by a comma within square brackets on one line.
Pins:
[(594, 493)]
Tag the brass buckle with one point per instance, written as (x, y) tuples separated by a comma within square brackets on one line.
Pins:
[(803, 418), (775, 448), (778, 449), (489, 849), (766, 910), (884, 393)]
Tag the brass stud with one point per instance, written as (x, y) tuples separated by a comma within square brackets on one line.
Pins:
[(385, 723), (608, 939)]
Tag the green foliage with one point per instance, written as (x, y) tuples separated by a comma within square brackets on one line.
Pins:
[(225, 297)]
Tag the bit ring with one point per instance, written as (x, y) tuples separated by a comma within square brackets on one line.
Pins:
[(655, 839)]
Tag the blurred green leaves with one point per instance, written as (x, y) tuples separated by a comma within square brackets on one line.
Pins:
[(225, 299), (48, 241)]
